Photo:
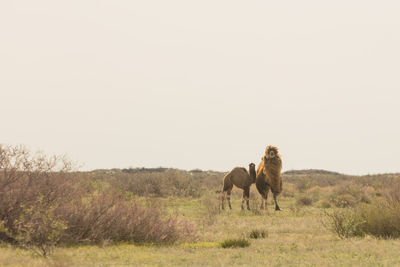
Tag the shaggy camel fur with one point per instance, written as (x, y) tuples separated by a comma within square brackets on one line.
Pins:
[(269, 176), (241, 179)]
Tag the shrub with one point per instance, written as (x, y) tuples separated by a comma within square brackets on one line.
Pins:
[(304, 183), (162, 183), (211, 209), (344, 223), (392, 193), (304, 200), (344, 201), (112, 217), (350, 194), (233, 243), (325, 204), (256, 233), (32, 189), (43, 204), (39, 229), (380, 219)]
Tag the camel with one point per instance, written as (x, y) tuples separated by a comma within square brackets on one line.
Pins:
[(241, 179), (269, 176)]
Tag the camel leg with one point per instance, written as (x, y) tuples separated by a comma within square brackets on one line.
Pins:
[(276, 202), (246, 196), (228, 197), (223, 200), (264, 201), (226, 192)]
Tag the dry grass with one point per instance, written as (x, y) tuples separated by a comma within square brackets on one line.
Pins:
[(292, 240)]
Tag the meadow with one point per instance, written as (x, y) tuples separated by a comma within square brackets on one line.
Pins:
[(327, 219)]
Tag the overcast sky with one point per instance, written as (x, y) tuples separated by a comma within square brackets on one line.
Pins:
[(203, 84)]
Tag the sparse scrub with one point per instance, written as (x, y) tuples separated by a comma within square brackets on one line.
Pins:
[(234, 243), (314, 193), (296, 209), (289, 191), (33, 189), (43, 204), (305, 183), (344, 223), (380, 219), (161, 182), (349, 194), (344, 201), (325, 204), (304, 200), (211, 209)]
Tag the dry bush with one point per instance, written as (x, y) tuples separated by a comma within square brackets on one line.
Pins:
[(344, 223), (211, 209), (304, 183), (381, 218), (161, 183), (304, 200), (316, 192), (344, 201), (392, 193), (377, 219), (325, 204), (43, 204), (33, 187), (109, 216), (349, 194)]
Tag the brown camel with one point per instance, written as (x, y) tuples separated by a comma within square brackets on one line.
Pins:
[(269, 176), (241, 179)]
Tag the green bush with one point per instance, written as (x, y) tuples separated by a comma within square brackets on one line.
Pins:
[(233, 243), (39, 229)]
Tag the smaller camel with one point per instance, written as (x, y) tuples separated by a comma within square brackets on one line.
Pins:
[(241, 179)]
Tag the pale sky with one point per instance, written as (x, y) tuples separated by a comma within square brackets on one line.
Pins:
[(203, 84)]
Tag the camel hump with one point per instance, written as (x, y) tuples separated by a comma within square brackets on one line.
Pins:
[(239, 177)]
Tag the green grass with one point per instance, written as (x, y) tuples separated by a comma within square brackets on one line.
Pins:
[(235, 243), (294, 238)]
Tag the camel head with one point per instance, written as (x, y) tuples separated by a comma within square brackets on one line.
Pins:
[(271, 152), (252, 166)]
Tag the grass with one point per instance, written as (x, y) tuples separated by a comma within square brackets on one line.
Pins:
[(256, 233), (235, 243), (293, 240)]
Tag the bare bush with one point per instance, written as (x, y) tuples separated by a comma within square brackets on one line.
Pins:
[(111, 217), (43, 203)]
